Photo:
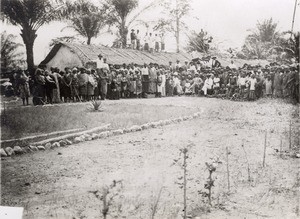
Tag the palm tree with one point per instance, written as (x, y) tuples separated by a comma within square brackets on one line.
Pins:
[(29, 15), (10, 56), (262, 41), (85, 18)]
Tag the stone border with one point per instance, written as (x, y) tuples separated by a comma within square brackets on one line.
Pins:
[(75, 139)]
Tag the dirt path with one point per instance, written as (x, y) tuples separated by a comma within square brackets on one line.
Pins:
[(58, 183)]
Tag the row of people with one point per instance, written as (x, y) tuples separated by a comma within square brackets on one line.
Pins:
[(126, 81)]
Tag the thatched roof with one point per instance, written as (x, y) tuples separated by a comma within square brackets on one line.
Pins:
[(88, 53)]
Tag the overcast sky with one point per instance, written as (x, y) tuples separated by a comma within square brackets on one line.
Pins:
[(226, 20)]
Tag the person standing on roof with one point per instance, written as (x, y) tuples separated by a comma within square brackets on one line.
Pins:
[(133, 39), (138, 40)]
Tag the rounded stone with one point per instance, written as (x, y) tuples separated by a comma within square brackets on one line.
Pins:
[(3, 153), (48, 146), (33, 148), (41, 148), (18, 150), (9, 151)]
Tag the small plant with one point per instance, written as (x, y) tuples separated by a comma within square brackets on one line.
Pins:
[(154, 204), (107, 195), (211, 167), (183, 184), (96, 105)]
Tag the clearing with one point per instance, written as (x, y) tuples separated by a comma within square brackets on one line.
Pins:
[(61, 183)]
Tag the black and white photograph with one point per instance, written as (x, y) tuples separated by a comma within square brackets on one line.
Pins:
[(150, 109)]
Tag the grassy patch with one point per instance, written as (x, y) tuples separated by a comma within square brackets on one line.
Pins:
[(21, 122)]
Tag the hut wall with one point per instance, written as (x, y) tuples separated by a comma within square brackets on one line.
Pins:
[(64, 58)]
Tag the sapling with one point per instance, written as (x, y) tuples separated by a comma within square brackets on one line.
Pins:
[(154, 205), (107, 195), (211, 167), (96, 105), (183, 178), (248, 165), (227, 166), (265, 147)]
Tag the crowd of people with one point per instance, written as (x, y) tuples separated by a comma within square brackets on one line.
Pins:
[(105, 81)]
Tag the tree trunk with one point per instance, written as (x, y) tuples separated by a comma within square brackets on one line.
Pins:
[(89, 40), (177, 28), (29, 36), (123, 34)]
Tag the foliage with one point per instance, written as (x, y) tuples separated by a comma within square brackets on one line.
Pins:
[(67, 39), (262, 40), (96, 105), (183, 179), (108, 194), (10, 56), (199, 42), (173, 23), (85, 18), (118, 13), (29, 15)]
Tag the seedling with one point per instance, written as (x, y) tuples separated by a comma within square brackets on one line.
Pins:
[(96, 105), (107, 195), (183, 178)]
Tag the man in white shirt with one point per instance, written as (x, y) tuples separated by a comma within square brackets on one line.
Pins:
[(232, 65)]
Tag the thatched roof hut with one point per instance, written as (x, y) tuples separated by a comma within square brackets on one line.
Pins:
[(70, 54)]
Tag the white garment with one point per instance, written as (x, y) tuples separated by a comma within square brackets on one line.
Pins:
[(216, 82), (242, 81), (232, 66), (252, 82), (145, 71)]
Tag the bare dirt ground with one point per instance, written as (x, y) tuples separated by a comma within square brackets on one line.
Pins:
[(60, 183)]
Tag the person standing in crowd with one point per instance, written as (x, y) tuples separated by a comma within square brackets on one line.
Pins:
[(50, 85), (252, 84), (23, 86), (90, 85), (208, 85), (145, 80), (56, 91), (133, 39), (278, 83), (163, 83), (82, 82), (159, 84), (39, 86), (138, 40), (268, 86), (177, 87), (152, 79), (74, 86), (216, 84), (177, 65), (65, 85), (103, 82)]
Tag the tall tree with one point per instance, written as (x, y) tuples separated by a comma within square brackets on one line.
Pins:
[(175, 11), (10, 54), (29, 15), (85, 18), (118, 13), (262, 40)]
